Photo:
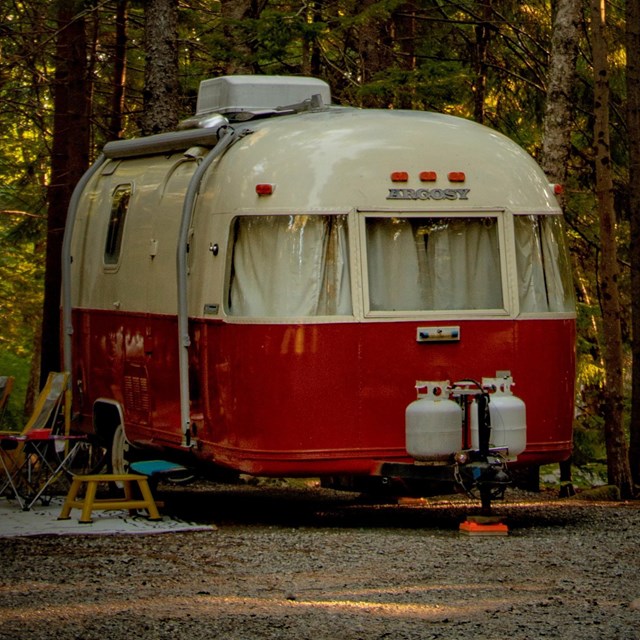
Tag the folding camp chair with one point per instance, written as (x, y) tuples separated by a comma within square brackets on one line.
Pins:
[(34, 458)]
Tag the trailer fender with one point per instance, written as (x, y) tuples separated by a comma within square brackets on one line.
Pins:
[(108, 424)]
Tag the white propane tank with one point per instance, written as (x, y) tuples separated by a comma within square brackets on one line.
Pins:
[(508, 418), (433, 423)]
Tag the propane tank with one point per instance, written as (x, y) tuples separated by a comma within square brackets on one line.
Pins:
[(433, 423), (508, 418)]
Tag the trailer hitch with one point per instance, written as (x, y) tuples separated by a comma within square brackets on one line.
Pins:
[(486, 475)]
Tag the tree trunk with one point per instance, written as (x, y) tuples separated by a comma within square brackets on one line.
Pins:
[(119, 72), (617, 451), (633, 131), (69, 160), (241, 47), (406, 35), (405, 39), (160, 96), (375, 50), (481, 47), (556, 143), (310, 46)]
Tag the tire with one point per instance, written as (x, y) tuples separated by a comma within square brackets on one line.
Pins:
[(119, 452)]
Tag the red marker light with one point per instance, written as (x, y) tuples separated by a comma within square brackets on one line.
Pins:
[(428, 176), (456, 176), (265, 189), (399, 176), (558, 189)]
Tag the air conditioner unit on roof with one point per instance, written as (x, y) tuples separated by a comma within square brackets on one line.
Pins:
[(232, 94)]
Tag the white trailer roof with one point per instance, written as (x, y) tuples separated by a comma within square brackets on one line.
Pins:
[(343, 158)]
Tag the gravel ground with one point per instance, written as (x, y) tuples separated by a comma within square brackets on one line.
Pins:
[(306, 563)]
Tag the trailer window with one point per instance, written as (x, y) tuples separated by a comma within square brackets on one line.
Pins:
[(119, 206), (544, 271), (433, 264), (290, 266)]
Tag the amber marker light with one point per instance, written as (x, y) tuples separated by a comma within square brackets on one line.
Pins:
[(456, 176), (399, 176), (265, 189), (428, 176)]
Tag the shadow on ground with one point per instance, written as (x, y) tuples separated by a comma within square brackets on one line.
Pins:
[(311, 506)]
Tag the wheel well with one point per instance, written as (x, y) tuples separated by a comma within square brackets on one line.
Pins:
[(107, 415)]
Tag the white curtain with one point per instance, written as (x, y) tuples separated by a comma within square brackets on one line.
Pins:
[(433, 264), (464, 265), (544, 272), (290, 266), (531, 281), (396, 265)]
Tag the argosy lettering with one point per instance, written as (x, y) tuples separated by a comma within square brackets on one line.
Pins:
[(428, 194)]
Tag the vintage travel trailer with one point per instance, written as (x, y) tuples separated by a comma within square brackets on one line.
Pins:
[(283, 287)]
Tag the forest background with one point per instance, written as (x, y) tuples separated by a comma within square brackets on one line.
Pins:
[(560, 78)]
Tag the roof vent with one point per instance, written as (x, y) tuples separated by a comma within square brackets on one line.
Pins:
[(257, 94)]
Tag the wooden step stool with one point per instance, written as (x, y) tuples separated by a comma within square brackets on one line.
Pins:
[(90, 502)]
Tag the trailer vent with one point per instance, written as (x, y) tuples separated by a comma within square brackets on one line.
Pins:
[(258, 94), (136, 393)]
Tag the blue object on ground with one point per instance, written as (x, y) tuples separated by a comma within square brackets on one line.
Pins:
[(157, 467)]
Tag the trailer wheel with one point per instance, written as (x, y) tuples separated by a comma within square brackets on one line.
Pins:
[(119, 453)]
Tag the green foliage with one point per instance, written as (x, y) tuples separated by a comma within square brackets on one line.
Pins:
[(21, 284), (588, 438), (278, 35), (19, 368), (24, 157)]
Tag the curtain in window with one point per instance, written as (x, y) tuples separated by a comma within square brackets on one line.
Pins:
[(532, 289), (396, 264), (433, 264), (290, 266), (544, 272), (463, 264)]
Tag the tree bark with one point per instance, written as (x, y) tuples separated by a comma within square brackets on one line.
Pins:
[(160, 96), (310, 46), (116, 123), (480, 52), (69, 160), (633, 129), (617, 450), (556, 143)]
